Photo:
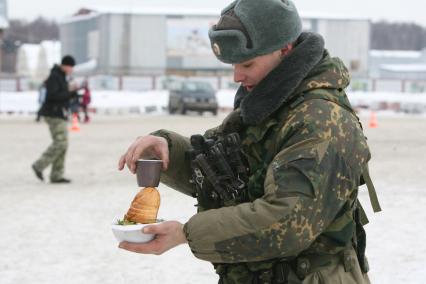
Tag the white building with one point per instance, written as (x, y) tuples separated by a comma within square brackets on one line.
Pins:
[(346, 38), (398, 64), (35, 60), (4, 23), (49, 54), (27, 60), (158, 41)]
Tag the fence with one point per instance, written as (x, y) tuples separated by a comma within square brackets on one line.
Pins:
[(144, 83)]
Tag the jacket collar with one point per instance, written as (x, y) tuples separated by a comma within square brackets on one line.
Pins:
[(279, 85)]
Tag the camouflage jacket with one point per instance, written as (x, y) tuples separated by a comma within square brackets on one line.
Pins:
[(305, 161)]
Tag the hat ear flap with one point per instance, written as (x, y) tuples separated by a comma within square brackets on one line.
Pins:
[(229, 46), (227, 8)]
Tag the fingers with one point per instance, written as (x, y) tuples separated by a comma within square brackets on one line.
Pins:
[(163, 151), (155, 229), (134, 152), (147, 145), (137, 153), (145, 248), (122, 162), (164, 155), (129, 157)]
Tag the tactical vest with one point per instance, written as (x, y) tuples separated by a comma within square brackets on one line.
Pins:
[(277, 270)]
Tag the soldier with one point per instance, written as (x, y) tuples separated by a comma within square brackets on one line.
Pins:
[(295, 216), (55, 111)]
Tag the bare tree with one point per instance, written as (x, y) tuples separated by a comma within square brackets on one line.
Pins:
[(20, 32), (397, 36)]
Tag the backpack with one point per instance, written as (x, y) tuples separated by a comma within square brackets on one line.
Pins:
[(42, 92)]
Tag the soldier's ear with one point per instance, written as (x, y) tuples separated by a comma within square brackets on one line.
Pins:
[(286, 50)]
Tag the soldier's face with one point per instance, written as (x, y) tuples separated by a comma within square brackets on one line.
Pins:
[(251, 72)]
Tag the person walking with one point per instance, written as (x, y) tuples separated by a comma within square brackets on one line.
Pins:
[(55, 111)]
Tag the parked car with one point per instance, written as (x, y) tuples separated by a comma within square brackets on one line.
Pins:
[(190, 95)]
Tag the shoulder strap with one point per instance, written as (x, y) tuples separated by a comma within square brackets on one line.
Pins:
[(365, 173), (371, 190)]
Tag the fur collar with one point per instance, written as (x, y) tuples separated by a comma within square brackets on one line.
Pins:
[(280, 83)]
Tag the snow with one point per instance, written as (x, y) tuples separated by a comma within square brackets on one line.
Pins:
[(62, 233), (330, 16), (157, 100), (189, 11), (148, 10), (396, 53), (77, 18), (86, 67), (404, 67)]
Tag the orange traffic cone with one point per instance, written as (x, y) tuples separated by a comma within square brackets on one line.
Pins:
[(74, 126), (373, 120)]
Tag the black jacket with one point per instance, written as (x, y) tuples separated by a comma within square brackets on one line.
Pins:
[(58, 97)]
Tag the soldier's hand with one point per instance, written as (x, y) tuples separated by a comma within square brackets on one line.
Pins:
[(145, 147), (168, 235)]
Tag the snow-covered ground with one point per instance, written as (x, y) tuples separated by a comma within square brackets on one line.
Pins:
[(156, 101), (61, 233)]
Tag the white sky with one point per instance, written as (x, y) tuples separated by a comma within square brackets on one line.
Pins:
[(391, 10)]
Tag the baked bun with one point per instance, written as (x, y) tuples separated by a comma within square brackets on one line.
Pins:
[(144, 207)]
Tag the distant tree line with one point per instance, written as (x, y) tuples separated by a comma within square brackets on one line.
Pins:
[(20, 32), (384, 36), (397, 36)]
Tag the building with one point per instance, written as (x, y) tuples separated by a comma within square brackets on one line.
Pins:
[(346, 38), (4, 23), (34, 61), (398, 64), (152, 41)]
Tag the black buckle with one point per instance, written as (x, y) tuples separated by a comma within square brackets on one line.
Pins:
[(302, 267), (265, 276), (281, 272)]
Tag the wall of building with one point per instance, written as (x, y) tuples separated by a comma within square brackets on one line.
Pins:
[(137, 44), (74, 36), (188, 44), (381, 58), (349, 40), (132, 44)]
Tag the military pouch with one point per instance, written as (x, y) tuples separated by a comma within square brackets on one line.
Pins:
[(360, 242), (218, 169)]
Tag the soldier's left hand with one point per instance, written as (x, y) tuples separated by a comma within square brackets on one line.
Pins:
[(168, 235)]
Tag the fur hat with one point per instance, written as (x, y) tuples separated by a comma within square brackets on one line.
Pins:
[(68, 60), (250, 28)]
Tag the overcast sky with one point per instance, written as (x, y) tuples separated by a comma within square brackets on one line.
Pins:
[(391, 10)]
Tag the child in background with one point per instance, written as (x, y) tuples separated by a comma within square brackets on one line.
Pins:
[(85, 101)]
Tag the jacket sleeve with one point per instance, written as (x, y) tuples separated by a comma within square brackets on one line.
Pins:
[(306, 185), (178, 173), (55, 90)]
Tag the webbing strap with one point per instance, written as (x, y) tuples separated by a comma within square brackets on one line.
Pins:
[(363, 219), (371, 190), (365, 173)]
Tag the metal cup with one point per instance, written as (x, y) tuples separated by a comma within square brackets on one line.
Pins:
[(148, 172)]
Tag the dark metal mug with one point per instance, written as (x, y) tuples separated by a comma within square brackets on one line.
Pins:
[(148, 172)]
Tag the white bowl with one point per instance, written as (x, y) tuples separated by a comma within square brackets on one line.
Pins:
[(131, 233)]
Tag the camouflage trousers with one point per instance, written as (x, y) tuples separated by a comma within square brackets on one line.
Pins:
[(334, 271), (55, 153)]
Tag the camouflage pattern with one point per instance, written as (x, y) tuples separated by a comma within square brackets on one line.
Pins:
[(55, 153), (331, 273), (305, 162)]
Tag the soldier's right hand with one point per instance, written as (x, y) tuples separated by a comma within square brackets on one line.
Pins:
[(145, 147)]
